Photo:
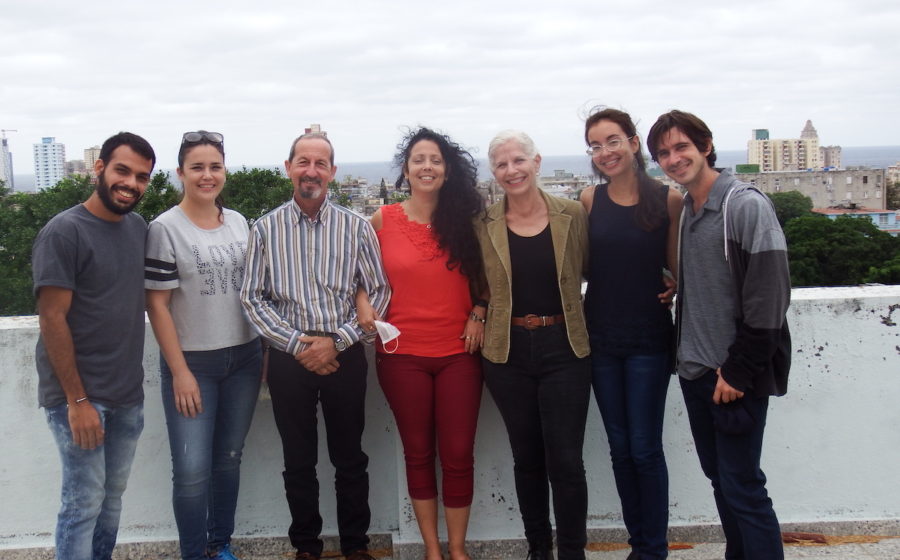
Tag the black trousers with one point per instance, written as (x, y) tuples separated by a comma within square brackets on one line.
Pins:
[(296, 393), (543, 392)]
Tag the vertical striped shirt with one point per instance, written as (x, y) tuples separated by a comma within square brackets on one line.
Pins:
[(302, 274)]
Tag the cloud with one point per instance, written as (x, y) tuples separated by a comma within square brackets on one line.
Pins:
[(260, 73)]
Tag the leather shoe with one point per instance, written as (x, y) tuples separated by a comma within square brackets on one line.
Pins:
[(305, 556), (540, 554), (360, 555)]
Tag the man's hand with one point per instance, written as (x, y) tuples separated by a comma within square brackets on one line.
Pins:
[(724, 392), (320, 356), (84, 421)]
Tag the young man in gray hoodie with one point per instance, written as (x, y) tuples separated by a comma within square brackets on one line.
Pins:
[(733, 339)]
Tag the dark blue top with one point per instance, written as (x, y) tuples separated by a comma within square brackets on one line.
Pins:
[(624, 315)]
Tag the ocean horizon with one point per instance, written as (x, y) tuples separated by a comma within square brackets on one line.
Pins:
[(877, 157)]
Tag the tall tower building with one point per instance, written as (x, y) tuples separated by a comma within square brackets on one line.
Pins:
[(809, 132), (91, 155), (6, 165), (49, 162), (792, 154)]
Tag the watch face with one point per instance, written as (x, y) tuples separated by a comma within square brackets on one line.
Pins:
[(339, 344)]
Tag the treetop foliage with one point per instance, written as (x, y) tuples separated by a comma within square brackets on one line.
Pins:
[(252, 192)]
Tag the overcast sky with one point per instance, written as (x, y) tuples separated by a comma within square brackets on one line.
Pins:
[(261, 71)]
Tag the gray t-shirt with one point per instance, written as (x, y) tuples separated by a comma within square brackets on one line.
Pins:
[(204, 269), (102, 263), (706, 289)]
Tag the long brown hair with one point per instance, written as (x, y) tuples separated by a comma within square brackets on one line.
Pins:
[(650, 212)]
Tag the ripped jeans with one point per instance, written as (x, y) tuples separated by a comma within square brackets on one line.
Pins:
[(207, 449), (93, 481)]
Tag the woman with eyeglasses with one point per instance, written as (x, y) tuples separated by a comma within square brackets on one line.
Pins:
[(211, 359), (535, 351), (633, 229)]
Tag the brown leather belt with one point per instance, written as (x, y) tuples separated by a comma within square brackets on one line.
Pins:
[(532, 321)]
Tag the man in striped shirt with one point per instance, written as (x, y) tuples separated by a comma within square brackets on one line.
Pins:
[(305, 261)]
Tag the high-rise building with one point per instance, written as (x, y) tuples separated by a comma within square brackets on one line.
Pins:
[(315, 128), (49, 162), (91, 155), (792, 154), (75, 167), (830, 156), (6, 164)]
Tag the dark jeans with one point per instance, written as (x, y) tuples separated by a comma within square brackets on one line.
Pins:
[(731, 462), (543, 392), (296, 393), (631, 395), (207, 449)]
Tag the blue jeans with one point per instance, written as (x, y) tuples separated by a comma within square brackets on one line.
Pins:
[(93, 481), (206, 449), (543, 393), (731, 463), (631, 395)]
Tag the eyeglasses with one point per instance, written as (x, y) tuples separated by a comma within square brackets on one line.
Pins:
[(610, 146), (200, 135)]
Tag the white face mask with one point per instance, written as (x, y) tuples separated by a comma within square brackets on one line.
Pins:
[(387, 332)]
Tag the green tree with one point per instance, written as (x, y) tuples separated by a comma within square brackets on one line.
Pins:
[(337, 196), (22, 215), (159, 197), (790, 205), (825, 252), (254, 192), (887, 273), (893, 197), (397, 196)]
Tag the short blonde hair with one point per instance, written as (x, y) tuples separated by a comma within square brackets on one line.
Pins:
[(504, 136)]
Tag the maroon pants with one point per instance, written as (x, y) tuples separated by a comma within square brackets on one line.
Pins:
[(435, 401)]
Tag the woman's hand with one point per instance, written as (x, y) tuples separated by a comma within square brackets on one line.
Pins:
[(473, 332), (667, 296), (365, 313), (187, 394)]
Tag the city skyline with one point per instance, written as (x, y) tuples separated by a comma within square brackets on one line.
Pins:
[(364, 72)]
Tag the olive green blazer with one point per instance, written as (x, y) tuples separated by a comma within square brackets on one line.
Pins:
[(568, 228)]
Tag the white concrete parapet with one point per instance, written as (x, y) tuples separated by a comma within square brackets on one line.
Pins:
[(831, 452)]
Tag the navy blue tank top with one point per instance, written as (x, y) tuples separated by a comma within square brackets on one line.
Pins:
[(624, 315)]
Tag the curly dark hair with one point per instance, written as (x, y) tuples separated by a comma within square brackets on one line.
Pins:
[(650, 212), (458, 201)]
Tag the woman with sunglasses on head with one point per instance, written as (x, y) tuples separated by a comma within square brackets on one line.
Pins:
[(535, 351), (431, 374), (633, 223), (211, 359)]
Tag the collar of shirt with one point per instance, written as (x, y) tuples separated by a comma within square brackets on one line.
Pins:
[(321, 216), (714, 198)]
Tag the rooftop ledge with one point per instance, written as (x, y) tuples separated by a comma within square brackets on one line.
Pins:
[(831, 451)]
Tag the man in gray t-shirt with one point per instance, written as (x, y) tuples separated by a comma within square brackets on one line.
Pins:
[(734, 344), (88, 271)]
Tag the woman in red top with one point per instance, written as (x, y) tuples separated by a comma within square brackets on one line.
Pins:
[(430, 374)]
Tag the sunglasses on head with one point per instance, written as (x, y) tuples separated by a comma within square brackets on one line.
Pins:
[(200, 135)]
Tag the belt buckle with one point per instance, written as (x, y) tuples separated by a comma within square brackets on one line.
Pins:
[(533, 321)]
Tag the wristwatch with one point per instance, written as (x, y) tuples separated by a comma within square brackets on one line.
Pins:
[(339, 343)]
